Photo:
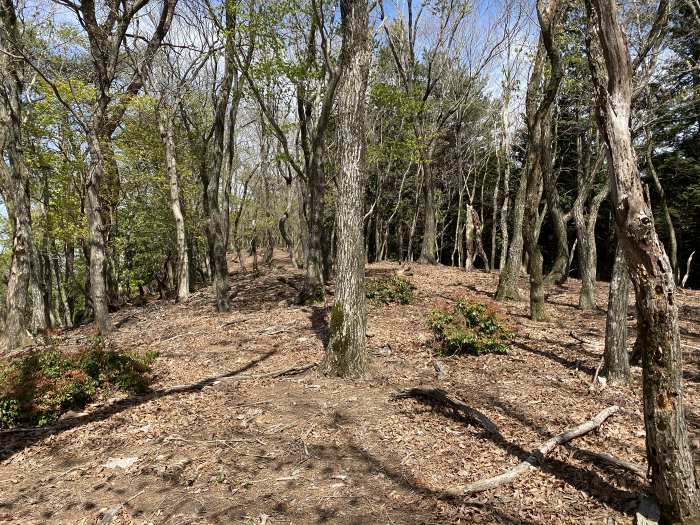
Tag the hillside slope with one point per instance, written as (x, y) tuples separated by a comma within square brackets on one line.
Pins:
[(222, 438)]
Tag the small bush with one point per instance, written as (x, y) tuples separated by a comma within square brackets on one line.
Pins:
[(394, 289), (37, 389), (469, 328)]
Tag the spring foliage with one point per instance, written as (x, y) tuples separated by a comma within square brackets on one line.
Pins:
[(469, 328), (37, 389), (388, 290)]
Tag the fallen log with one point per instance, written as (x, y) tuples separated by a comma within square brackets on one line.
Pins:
[(536, 455)]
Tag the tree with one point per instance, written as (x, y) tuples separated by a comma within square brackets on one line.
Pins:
[(14, 179), (346, 353), (668, 449), (107, 35)]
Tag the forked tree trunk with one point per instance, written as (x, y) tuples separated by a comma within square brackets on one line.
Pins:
[(616, 359), (346, 354), (588, 257), (540, 149), (668, 448), (182, 272)]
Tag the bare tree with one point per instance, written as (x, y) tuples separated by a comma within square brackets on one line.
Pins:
[(668, 449)]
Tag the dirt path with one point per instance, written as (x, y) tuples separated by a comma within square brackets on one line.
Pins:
[(311, 449)]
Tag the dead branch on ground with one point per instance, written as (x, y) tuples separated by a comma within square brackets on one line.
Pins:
[(536, 455)]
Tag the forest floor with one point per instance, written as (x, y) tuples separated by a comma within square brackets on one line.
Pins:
[(230, 446)]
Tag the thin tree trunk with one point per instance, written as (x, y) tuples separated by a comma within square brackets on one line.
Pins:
[(494, 212), (182, 272), (427, 250), (672, 244), (508, 278), (617, 366), (346, 353)]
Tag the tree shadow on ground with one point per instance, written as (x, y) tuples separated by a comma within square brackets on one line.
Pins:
[(566, 363), (319, 323), (583, 480), (23, 438)]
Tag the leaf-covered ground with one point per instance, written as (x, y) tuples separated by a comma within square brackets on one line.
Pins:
[(219, 441)]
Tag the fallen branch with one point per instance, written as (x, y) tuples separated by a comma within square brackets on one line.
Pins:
[(460, 409), (536, 455), (611, 460), (582, 340)]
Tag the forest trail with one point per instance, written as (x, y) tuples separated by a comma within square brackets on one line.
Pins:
[(305, 448)]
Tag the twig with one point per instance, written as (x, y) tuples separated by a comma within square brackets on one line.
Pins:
[(597, 370), (582, 340), (536, 455)]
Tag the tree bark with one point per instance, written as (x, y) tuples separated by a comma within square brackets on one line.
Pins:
[(427, 247), (616, 361), (97, 269), (182, 272), (508, 278), (346, 353), (14, 176), (668, 448)]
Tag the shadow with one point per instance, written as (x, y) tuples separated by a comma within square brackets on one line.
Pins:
[(27, 437), (566, 363), (263, 290), (408, 482), (379, 273), (583, 480), (319, 323)]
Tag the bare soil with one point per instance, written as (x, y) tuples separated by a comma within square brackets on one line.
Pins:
[(229, 446)]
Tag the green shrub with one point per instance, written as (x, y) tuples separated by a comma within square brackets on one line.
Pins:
[(469, 328), (387, 290), (37, 389)]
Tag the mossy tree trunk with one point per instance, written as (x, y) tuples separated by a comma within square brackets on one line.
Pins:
[(346, 354)]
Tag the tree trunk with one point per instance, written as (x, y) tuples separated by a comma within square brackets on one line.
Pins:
[(560, 269), (494, 211), (346, 353), (672, 244), (98, 287), (617, 366), (182, 272), (313, 290), (668, 448), (427, 248), (508, 278)]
